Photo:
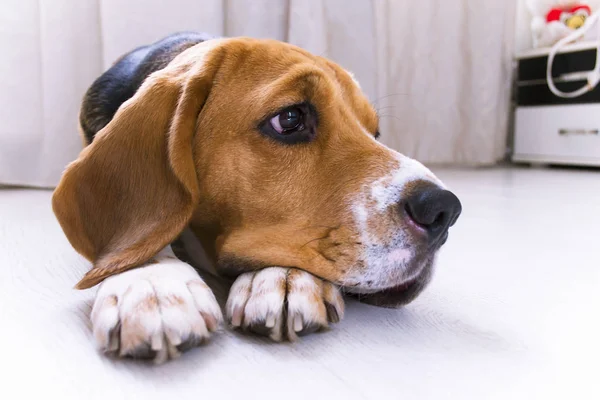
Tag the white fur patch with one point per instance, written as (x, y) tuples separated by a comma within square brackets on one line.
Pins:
[(385, 259), (265, 297), (353, 78), (388, 189), (153, 309)]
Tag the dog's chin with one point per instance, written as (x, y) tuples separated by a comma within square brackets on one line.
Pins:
[(399, 295)]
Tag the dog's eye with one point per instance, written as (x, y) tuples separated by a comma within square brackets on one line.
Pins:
[(287, 121), (291, 125)]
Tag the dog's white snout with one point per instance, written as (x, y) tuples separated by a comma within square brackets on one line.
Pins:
[(389, 189), (393, 250)]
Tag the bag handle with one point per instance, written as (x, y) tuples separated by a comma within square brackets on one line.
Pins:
[(593, 76)]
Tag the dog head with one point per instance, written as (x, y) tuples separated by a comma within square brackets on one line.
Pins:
[(269, 153)]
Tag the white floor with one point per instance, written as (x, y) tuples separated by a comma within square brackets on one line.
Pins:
[(512, 313)]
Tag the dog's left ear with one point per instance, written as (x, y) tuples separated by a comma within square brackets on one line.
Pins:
[(134, 189)]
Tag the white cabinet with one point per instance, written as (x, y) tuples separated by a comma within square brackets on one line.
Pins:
[(551, 129), (566, 134)]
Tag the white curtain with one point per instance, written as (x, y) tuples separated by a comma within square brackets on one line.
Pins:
[(437, 70)]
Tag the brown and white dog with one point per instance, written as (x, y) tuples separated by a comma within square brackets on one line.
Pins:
[(268, 154)]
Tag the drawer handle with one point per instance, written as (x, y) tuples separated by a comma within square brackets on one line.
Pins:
[(578, 131)]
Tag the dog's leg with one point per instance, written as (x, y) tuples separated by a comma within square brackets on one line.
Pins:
[(154, 311), (283, 302)]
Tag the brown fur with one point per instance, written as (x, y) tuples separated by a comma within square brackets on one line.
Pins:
[(185, 150)]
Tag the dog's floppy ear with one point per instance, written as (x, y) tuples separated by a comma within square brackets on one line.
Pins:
[(134, 189)]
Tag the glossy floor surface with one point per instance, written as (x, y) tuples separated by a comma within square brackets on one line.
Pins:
[(512, 313)]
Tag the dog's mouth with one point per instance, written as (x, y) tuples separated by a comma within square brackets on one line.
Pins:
[(401, 294), (394, 297)]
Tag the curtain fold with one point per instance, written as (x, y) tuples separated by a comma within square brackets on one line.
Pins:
[(444, 80), (50, 52), (437, 71)]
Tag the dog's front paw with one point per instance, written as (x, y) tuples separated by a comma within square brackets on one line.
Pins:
[(154, 311), (283, 302)]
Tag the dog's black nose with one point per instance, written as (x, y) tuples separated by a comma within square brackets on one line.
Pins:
[(435, 210)]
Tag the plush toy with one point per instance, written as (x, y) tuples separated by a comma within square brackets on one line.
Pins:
[(556, 19)]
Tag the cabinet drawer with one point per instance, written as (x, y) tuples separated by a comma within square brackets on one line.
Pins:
[(558, 134)]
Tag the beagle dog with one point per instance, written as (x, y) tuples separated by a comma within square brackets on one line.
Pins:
[(268, 154)]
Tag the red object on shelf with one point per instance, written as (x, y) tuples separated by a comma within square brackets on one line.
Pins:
[(555, 14)]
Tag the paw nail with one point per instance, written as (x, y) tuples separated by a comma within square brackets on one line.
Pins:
[(161, 356), (157, 342), (113, 342), (297, 323), (210, 321), (332, 313), (174, 339), (173, 352), (270, 322), (236, 318)]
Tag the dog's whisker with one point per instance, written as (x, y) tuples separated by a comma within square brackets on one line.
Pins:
[(379, 109), (390, 116), (388, 96)]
